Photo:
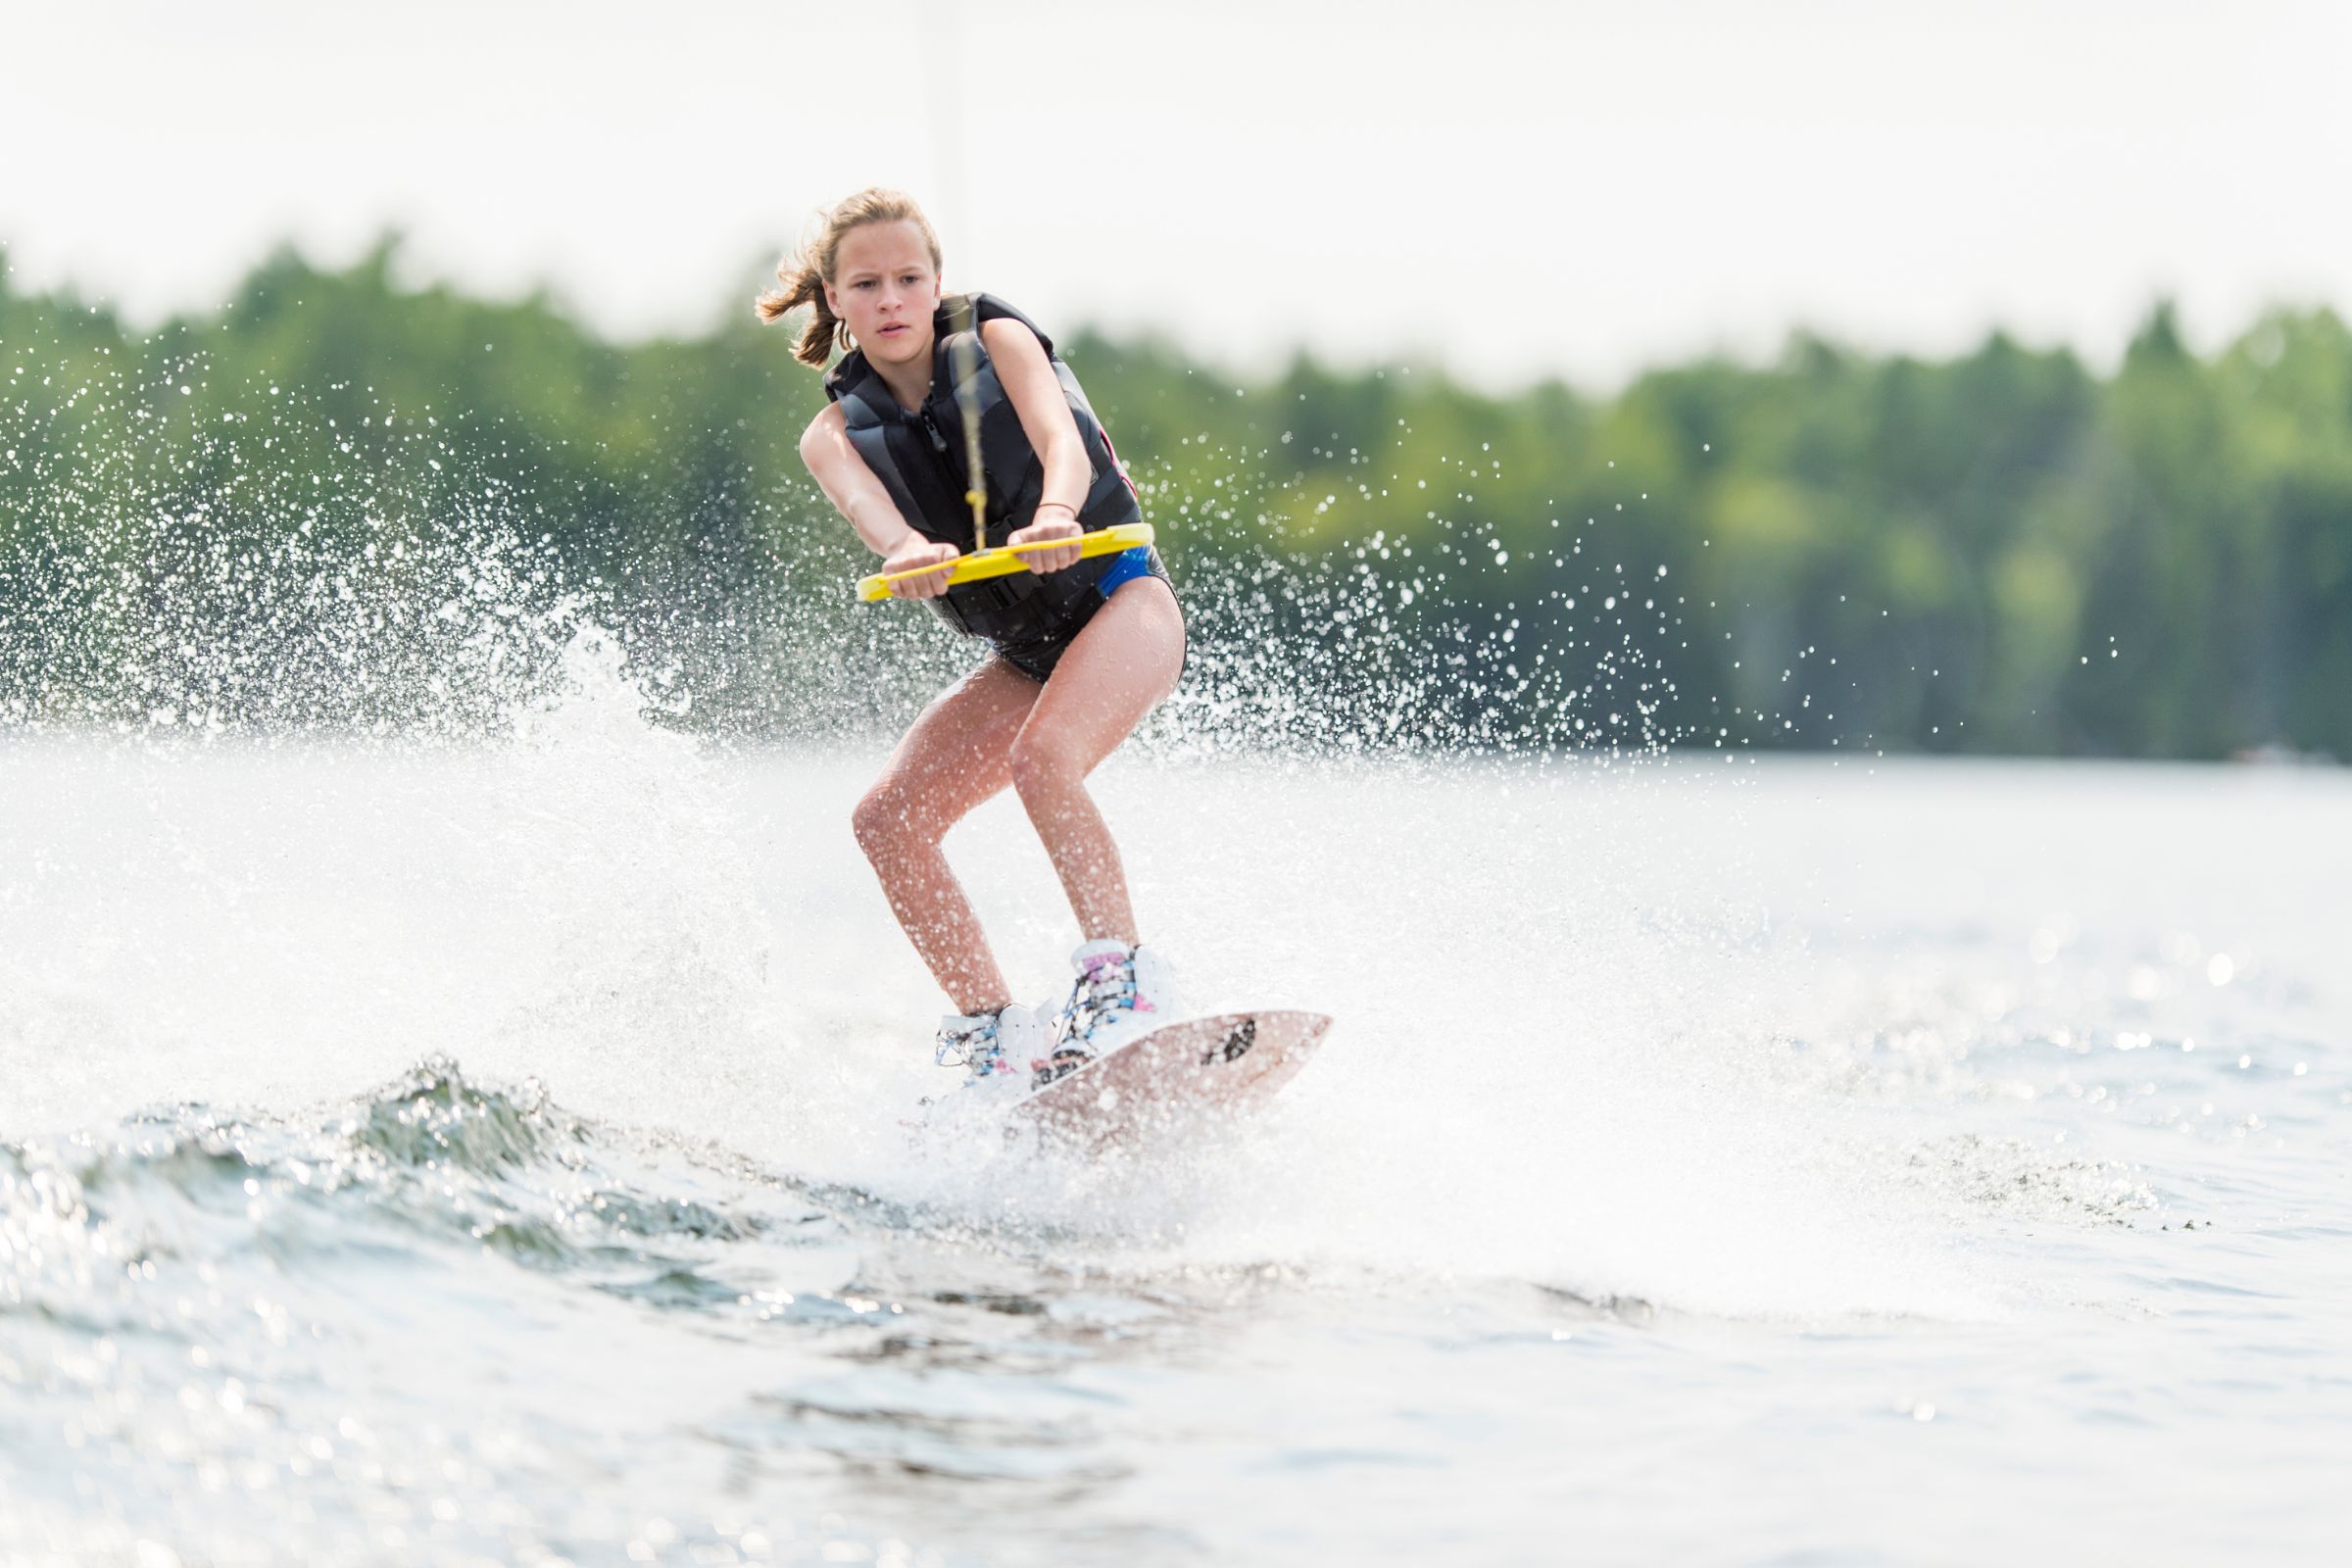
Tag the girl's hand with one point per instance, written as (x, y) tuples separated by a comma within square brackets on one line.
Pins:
[(1054, 521), (913, 555)]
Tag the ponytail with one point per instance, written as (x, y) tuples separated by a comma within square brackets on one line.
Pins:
[(805, 284), (803, 272)]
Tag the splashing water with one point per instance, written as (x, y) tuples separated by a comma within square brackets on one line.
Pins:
[(454, 1061)]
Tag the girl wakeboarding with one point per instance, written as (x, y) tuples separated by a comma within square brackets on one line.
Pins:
[(931, 388)]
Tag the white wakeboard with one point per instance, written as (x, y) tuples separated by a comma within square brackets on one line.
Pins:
[(1180, 1075)]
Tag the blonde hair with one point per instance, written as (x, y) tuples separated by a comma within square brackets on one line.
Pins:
[(805, 272)]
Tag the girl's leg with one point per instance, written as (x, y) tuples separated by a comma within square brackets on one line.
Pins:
[(1114, 672), (956, 755)]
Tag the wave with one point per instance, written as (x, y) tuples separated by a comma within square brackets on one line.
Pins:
[(429, 1163)]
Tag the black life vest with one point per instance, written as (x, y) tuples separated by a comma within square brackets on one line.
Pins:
[(922, 460)]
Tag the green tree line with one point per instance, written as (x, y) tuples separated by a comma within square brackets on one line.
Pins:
[(2001, 551)]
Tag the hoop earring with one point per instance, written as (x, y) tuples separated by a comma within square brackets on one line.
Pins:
[(843, 336)]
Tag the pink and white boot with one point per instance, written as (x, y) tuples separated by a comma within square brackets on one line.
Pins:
[(1121, 994), (1001, 1049)]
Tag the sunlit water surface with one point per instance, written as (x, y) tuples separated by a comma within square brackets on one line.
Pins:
[(497, 1155)]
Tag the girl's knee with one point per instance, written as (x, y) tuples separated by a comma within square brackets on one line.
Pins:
[(882, 820), (1039, 763)]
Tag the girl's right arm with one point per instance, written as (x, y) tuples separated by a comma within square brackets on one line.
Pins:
[(842, 475)]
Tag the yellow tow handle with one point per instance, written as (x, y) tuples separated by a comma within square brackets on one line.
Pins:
[(1006, 559)]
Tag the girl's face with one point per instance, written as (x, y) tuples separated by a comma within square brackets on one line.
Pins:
[(884, 286)]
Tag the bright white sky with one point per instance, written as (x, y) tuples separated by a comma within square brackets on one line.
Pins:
[(1515, 189)]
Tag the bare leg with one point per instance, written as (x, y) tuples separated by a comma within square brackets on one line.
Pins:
[(1116, 670), (956, 755)]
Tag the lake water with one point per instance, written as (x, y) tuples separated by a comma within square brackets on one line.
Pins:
[(496, 1153)]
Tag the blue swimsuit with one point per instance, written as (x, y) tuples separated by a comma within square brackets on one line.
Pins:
[(1125, 567)]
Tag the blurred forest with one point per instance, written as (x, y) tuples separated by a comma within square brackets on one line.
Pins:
[(2001, 553)]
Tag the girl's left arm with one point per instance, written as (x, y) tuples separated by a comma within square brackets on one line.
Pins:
[(1028, 379)]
